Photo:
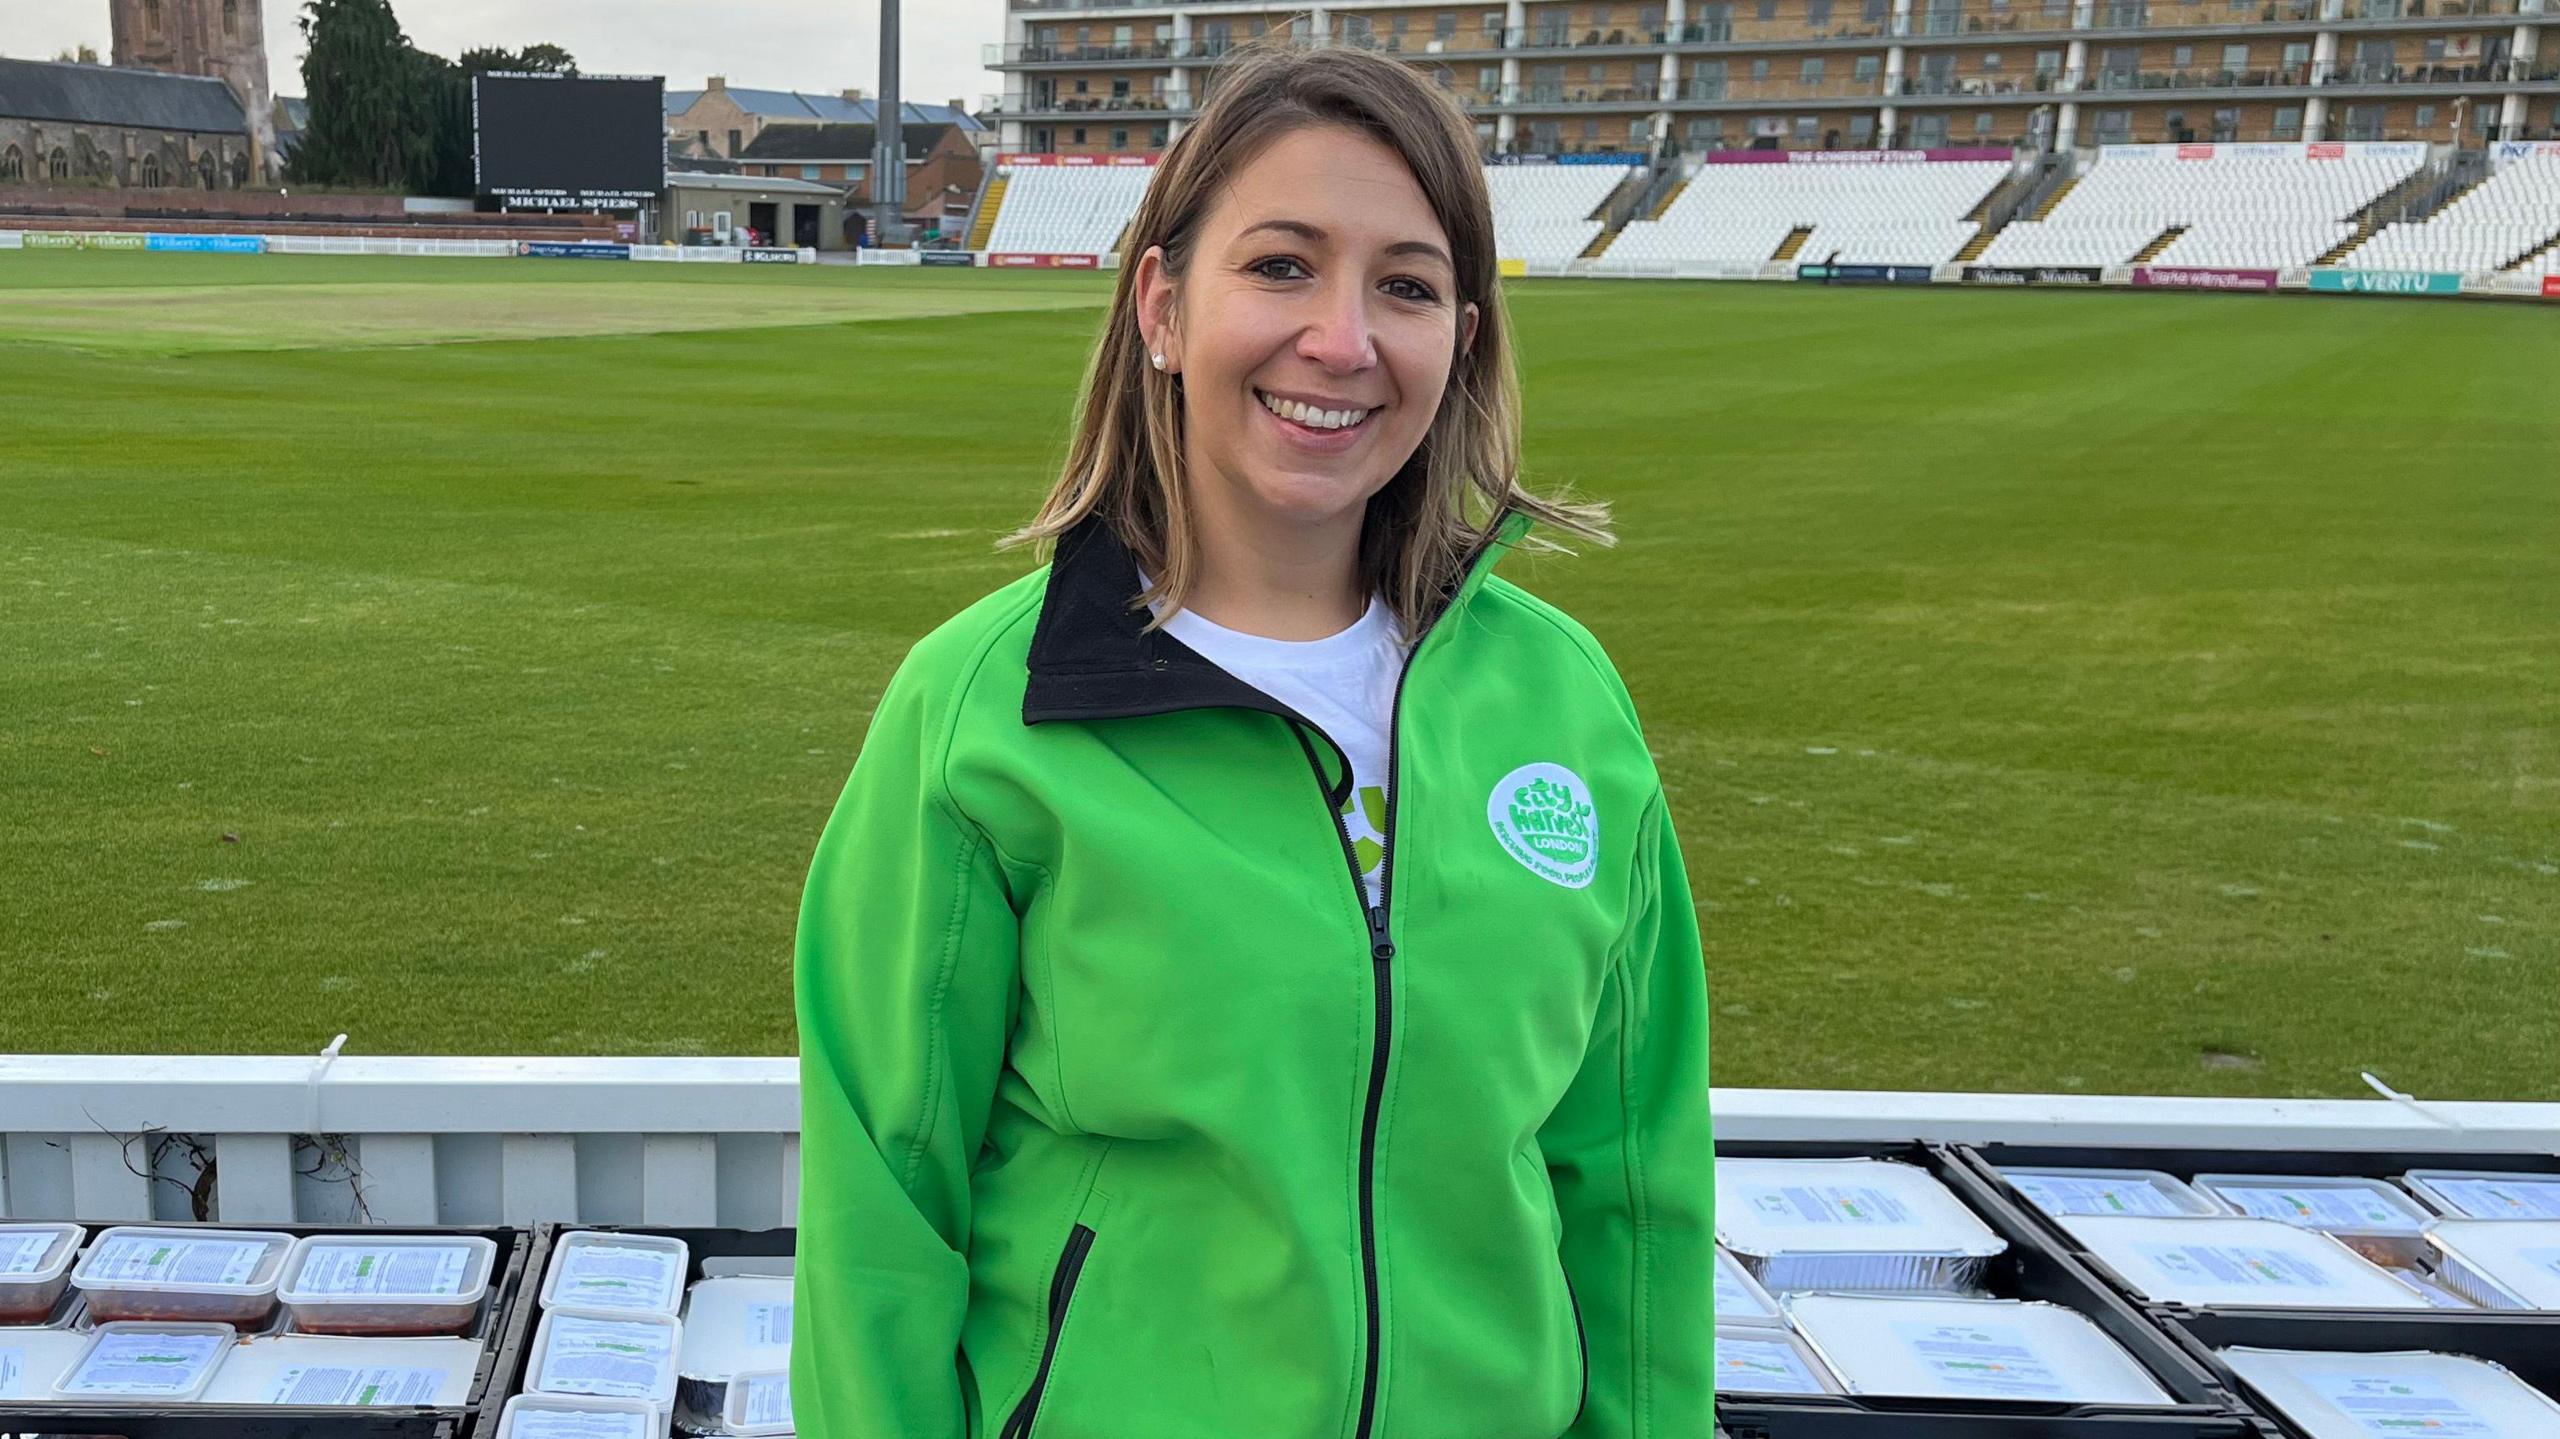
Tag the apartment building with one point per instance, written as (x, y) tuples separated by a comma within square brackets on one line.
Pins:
[(1649, 76)]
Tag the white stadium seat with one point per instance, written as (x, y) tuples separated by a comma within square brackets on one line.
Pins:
[(1899, 213), (2515, 211), (2252, 206), (1068, 209), (1542, 212)]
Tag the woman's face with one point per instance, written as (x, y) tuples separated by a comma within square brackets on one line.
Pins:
[(1314, 330)]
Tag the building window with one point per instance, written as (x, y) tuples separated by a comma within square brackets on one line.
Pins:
[(1161, 135), (2364, 122), (1868, 67), (2183, 56), (2226, 124), (1488, 79), (1706, 132), (1080, 87), (808, 172), (13, 164), (735, 143), (2426, 118), (1119, 139), (2484, 118), (1444, 26), (1812, 70), (2048, 62), (1817, 15), (1991, 62), (1076, 136), (1808, 127), (2235, 58), (230, 17), (1862, 129), (1982, 123), (2115, 127), (151, 172), (151, 15), (2288, 122), (1759, 69)]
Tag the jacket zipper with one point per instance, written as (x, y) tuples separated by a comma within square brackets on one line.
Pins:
[(1382, 953), (1062, 1289)]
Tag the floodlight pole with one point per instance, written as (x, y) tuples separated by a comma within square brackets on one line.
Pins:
[(888, 146)]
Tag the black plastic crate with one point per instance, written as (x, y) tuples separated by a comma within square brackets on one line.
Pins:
[(2487, 1333), (2033, 1268), (2531, 1351), (507, 1377), (500, 1330)]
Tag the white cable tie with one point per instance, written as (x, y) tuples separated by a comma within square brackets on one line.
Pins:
[(2412, 1103), (311, 1085)]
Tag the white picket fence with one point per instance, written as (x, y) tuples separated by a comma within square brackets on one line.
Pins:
[(715, 1141)]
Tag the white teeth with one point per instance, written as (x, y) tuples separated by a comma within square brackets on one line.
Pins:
[(1310, 416)]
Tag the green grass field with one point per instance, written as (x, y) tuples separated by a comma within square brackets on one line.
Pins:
[(2057, 691)]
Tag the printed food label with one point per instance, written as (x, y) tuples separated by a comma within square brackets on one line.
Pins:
[(2402, 1406), (2077, 1194), (408, 1270), (611, 1276), (1762, 1366), (604, 1356), (160, 1260), (315, 1384), (1831, 1204), (127, 1363), (2238, 1265), (1992, 1361)]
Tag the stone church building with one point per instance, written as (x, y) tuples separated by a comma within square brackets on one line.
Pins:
[(185, 104)]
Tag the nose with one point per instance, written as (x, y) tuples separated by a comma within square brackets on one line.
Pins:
[(1338, 336)]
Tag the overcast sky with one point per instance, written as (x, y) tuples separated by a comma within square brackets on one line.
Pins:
[(820, 45)]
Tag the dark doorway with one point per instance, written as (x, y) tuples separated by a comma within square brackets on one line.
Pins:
[(804, 226), (761, 219)]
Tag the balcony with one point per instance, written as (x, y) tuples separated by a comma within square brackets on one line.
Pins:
[(2113, 84), (1016, 105)]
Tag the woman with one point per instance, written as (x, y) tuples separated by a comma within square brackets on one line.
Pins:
[(1248, 988)]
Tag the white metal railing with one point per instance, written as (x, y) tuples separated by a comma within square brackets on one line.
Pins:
[(715, 1141)]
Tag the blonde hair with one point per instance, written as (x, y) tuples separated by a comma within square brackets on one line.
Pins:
[(1425, 524)]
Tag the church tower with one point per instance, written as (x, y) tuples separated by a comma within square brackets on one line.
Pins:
[(226, 39)]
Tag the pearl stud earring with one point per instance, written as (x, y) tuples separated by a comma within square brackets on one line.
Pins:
[(1159, 358)]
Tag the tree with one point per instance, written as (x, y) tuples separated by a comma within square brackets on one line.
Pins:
[(385, 113), (85, 55)]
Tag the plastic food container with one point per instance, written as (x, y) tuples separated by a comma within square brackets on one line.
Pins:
[(2487, 1193), (167, 1362), (2357, 1396), (2239, 1263), (2119, 1192), (1872, 1224), (35, 1266), (1768, 1361), (574, 1416), (2375, 1217), (302, 1369), (1739, 1297), (614, 1354), (395, 1284), (592, 1269), (32, 1359), (2500, 1263), (731, 1326), (759, 1403), (191, 1276), (1918, 1346)]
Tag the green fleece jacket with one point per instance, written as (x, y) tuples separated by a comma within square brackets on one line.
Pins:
[(1126, 1116)]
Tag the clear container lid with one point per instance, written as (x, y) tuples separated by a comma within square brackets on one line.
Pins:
[(1843, 1206), (732, 1326), (37, 1253), (146, 1361), (2333, 1204), (31, 1359), (319, 1369), (578, 1416), (597, 1269), (2241, 1262), (2356, 1396), (1768, 1361), (143, 1259), (1739, 1297), (759, 1402), (2521, 1256), (1922, 1346), (2117, 1192), (2488, 1193), (615, 1353), (387, 1269)]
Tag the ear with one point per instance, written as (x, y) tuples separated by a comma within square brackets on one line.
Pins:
[(1155, 290), (1467, 330)]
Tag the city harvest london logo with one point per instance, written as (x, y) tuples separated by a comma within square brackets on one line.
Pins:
[(1543, 816)]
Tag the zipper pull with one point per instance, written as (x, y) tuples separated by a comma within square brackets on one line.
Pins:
[(1381, 948)]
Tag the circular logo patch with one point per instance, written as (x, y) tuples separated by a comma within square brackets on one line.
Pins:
[(1542, 815)]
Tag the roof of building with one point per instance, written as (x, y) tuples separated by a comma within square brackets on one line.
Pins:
[(802, 107), (107, 95), (691, 180), (838, 142)]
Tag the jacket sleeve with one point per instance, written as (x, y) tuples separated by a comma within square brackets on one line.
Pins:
[(1631, 1153), (904, 977)]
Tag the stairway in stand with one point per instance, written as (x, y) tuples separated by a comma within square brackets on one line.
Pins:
[(986, 225)]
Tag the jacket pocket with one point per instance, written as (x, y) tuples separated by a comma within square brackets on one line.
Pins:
[(1062, 1292), (1581, 1346)]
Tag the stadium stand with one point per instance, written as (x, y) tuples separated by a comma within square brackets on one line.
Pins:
[(2210, 205), (1903, 213), (2514, 212), (1067, 209), (1542, 213)]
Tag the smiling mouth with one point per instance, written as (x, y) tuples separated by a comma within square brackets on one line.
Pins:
[(1312, 418)]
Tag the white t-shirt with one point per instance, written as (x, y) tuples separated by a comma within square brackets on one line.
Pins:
[(1345, 683)]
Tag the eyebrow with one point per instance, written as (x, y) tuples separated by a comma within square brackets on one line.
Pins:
[(1314, 235)]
